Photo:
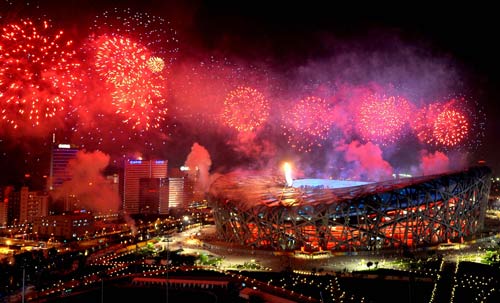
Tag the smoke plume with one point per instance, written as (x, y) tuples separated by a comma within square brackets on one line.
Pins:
[(199, 163), (365, 161), (87, 187), (433, 163)]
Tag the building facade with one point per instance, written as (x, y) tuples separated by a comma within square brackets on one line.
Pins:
[(33, 204), (60, 157), (64, 227), (151, 172)]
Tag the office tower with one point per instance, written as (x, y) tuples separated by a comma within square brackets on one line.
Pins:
[(134, 171), (60, 157)]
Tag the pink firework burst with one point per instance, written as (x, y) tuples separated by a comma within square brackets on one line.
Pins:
[(307, 123), (451, 124), (450, 127), (38, 73), (245, 109), (381, 119)]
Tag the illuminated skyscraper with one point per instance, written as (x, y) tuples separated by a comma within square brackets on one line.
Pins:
[(151, 173), (60, 157)]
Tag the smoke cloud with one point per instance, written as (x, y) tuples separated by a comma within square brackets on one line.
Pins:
[(434, 163), (199, 163), (365, 162), (88, 188)]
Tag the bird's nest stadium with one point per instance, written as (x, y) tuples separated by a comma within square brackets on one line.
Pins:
[(260, 211)]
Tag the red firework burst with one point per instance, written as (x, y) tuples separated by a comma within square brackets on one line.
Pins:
[(423, 123), (136, 88), (446, 124), (38, 73), (307, 123), (450, 128), (381, 119), (119, 60), (245, 109), (141, 104), (153, 32)]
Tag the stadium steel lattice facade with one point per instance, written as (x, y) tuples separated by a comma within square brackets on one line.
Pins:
[(259, 211)]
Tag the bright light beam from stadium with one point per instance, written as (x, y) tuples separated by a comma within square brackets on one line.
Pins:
[(288, 173)]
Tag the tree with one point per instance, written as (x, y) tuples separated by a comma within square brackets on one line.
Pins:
[(369, 264)]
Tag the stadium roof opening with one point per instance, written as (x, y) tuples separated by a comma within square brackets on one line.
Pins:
[(326, 183)]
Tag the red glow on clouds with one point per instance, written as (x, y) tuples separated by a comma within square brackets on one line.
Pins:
[(366, 161), (433, 163), (117, 93)]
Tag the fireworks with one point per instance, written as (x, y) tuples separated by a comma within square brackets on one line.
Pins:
[(38, 73), (155, 64), (449, 124), (423, 123), (141, 104), (132, 53), (200, 87), (308, 123), (450, 127), (119, 60), (154, 33), (136, 90), (245, 109), (381, 119)]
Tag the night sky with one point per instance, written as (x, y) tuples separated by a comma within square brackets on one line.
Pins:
[(422, 51)]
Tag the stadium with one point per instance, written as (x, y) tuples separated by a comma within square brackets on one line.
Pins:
[(263, 211)]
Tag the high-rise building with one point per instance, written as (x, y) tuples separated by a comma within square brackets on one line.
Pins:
[(134, 171), (33, 204), (60, 157)]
